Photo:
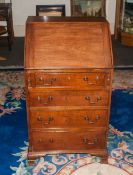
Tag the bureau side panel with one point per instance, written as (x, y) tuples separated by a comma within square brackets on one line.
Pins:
[(28, 111)]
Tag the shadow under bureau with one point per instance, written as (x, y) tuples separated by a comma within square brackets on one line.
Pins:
[(68, 73)]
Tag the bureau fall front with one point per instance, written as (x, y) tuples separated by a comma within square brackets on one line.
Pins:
[(68, 73)]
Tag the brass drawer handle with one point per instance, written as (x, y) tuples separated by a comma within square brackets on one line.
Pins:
[(93, 102), (92, 122), (108, 79), (39, 119), (51, 140), (48, 84), (50, 98), (89, 83), (41, 79), (51, 82), (29, 81), (50, 119), (40, 141), (87, 142), (39, 98)]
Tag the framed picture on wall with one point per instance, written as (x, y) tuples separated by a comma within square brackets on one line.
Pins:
[(50, 10), (88, 8)]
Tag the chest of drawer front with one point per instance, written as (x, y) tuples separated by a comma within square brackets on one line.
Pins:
[(68, 119), (68, 140), (84, 80), (68, 98)]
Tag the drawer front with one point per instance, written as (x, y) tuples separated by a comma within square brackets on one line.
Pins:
[(83, 140), (68, 119), (88, 80), (68, 98)]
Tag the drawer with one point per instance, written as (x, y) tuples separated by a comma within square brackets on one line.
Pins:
[(68, 98), (83, 140), (68, 119), (87, 80)]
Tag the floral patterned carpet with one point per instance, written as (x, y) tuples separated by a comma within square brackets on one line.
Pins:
[(14, 140)]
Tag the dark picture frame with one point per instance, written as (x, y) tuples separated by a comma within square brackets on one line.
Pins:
[(50, 10), (88, 8)]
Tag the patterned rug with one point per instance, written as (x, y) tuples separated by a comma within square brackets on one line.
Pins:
[(14, 140)]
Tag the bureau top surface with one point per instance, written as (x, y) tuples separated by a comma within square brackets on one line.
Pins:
[(67, 43)]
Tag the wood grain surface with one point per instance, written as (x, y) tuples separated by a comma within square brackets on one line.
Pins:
[(68, 76)]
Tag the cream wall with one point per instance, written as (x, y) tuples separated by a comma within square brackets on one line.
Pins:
[(110, 11), (24, 8)]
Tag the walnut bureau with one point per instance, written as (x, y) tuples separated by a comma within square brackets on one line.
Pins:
[(68, 73)]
